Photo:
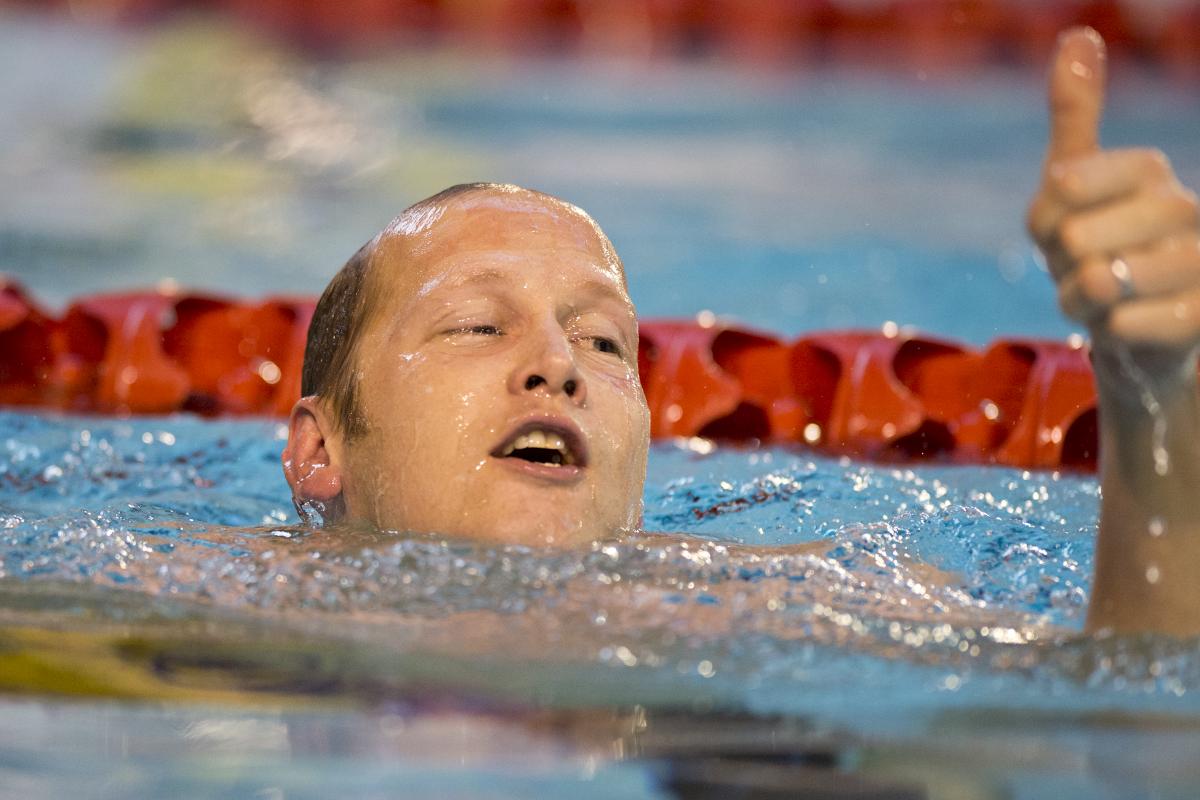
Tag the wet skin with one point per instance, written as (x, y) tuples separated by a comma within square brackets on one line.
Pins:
[(501, 312), (504, 309)]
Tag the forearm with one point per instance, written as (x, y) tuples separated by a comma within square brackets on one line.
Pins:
[(1121, 237), (1147, 564)]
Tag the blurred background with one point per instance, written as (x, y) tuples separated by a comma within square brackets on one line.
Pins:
[(797, 164)]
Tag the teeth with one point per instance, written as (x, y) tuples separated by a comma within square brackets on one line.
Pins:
[(543, 440)]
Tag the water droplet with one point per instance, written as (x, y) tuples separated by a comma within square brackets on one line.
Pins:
[(1149, 400), (1162, 460), (312, 512)]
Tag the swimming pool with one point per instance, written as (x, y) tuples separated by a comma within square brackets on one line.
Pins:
[(293, 668)]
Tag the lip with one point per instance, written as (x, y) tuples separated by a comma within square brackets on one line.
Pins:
[(564, 427)]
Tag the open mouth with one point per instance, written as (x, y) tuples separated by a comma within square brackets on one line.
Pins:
[(543, 444)]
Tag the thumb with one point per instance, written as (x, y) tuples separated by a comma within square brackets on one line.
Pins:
[(1076, 94)]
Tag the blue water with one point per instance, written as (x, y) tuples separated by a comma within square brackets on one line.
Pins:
[(863, 641), (934, 624)]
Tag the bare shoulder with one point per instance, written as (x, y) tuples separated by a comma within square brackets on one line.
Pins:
[(687, 541)]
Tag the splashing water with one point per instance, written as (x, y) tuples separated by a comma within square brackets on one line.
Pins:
[(790, 572)]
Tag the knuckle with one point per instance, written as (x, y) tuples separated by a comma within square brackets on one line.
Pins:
[(1061, 180), (1040, 218), (1157, 164), (1189, 205), (1185, 250), (1180, 204), (1095, 282), (1072, 235), (1183, 318)]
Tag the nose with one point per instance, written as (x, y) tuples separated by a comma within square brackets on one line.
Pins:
[(549, 367)]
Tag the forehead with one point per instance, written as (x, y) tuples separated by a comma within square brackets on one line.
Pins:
[(503, 233)]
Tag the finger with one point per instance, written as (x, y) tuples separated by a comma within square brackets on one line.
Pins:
[(1128, 224), (1043, 218), (1168, 267), (1108, 175), (1076, 94), (1171, 321)]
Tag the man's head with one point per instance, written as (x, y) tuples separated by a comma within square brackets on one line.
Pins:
[(473, 371)]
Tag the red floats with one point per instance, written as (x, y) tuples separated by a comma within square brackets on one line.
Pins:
[(878, 394), (925, 36), (25, 348), (153, 352), (881, 394), (718, 382), (1053, 421)]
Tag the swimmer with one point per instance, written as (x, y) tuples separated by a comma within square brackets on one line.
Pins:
[(472, 371)]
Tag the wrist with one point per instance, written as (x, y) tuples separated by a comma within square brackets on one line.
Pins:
[(1131, 375)]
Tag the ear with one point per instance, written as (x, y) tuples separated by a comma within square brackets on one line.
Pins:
[(311, 461)]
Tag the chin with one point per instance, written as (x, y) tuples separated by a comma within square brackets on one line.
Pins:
[(537, 532)]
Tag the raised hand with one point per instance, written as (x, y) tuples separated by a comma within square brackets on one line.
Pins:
[(1120, 234), (1122, 239)]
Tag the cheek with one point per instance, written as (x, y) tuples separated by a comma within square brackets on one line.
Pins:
[(630, 414), (627, 438), (618, 379), (446, 404)]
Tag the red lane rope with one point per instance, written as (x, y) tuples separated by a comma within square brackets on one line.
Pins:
[(929, 35), (890, 395)]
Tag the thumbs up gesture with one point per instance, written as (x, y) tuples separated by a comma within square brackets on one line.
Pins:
[(1122, 240), (1120, 234)]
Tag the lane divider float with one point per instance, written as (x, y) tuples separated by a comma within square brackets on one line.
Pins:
[(889, 394)]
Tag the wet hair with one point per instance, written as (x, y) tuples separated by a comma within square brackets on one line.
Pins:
[(333, 336), (342, 314)]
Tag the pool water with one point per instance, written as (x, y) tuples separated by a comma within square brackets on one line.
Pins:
[(865, 642), (154, 572)]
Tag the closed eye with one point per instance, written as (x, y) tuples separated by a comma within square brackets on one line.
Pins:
[(605, 345), (478, 330)]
